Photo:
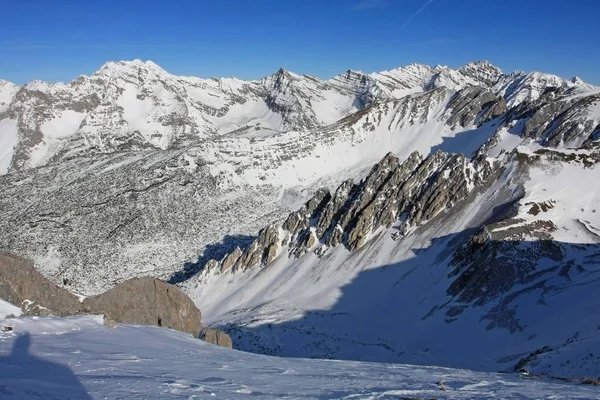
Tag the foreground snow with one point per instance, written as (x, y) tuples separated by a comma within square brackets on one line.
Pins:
[(79, 358), (8, 309)]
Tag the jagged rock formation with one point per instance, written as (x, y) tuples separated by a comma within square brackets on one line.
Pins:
[(413, 191), (25, 287), (217, 337), (147, 301)]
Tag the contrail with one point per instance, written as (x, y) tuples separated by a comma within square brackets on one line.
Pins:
[(424, 6)]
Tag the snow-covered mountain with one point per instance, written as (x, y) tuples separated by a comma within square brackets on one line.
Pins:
[(477, 225), (138, 104)]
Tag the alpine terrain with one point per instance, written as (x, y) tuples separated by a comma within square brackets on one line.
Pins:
[(422, 215)]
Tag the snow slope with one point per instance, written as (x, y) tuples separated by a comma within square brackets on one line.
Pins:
[(7, 308), (79, 358), (8, 140), (432, 296)]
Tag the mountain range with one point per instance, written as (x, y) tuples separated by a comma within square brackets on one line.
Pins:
[(423, 214)]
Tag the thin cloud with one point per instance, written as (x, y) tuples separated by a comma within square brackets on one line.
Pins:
[(370, 4), (419, 11)]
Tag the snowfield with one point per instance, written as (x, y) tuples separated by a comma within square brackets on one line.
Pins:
[(79, 358)]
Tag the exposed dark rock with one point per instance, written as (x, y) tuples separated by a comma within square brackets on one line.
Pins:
[(493, 110), (217, 337), (231, 259), (147, 301), (467, 104), (22, 285)]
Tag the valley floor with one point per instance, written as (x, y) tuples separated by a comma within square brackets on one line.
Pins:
[(80, 358)]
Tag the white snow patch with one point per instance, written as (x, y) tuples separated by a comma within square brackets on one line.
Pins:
[(7, 308), (9, 138)]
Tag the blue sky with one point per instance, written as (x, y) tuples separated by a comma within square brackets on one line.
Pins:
[(58, 40)]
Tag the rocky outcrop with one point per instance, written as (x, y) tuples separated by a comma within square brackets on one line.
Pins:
[(22, 285), (411, 192), (493, 109), (467, 103), (217, 337), (147, 301)]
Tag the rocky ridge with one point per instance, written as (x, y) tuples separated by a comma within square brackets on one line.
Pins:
[(408, 193), (136, 105)]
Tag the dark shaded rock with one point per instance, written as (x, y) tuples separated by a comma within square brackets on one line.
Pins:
[(493, 110), (230, 260), (467, 104), (108, 321), (147, 301), (217, 337), (22, 285)]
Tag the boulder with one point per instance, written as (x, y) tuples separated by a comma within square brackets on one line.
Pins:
[(217, 337), (23, 285), (147, 301)]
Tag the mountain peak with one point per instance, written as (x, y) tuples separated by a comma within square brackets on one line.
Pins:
[(580, 82), (283, 74), (116, 67), (349, 75), (482, 71), (480, 63), (7, 83)]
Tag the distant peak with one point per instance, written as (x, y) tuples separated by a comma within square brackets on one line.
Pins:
[(7, 83), (352, 73), (130, 63), (284, 73), (417, 65), (579, 82), (481, 64), (128, 67)]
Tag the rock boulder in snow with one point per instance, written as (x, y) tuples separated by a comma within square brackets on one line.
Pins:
[(217, 337), (22, 285), (148, 301)]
